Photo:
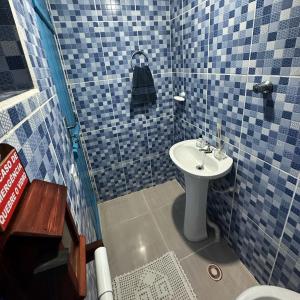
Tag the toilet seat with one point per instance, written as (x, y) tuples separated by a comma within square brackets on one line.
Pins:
[(268, 292)]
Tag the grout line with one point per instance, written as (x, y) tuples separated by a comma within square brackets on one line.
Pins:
[(247, 77), (151, 167), (271, 238), (237, 147), (272, 270), (122, 164), (100, 219), (184, 11), (121, 19), (86, 133), (124, 221), (118, 134), (146, 121), (235, 74), (54, 150), (182, 50), (21, 98), (233, 196), (265, 162), (245, 268), (29, 116), (170, 53), (197, 251), (115, 77), (240, 133), (92, 178), (283, 230), (207, 77), (155, 222)]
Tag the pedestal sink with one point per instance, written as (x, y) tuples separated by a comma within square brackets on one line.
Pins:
[(187, 157)]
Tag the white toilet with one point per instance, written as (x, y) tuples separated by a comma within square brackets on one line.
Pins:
[(268, 292)]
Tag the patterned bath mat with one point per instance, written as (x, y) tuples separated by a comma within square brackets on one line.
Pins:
[(161, 279)]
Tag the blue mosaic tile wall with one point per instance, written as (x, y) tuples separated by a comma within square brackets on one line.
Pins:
[(127, 147), (35, 128), (14, 74), (219, 50)]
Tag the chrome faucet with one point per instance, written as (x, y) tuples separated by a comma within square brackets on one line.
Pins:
[(208, 149), (203, 146)]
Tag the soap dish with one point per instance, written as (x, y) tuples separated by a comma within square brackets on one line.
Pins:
[(179, 98)]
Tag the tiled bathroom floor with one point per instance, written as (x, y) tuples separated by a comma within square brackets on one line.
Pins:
[(144, 225)]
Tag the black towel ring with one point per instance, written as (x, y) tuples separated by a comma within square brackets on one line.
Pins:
[(139, 52)]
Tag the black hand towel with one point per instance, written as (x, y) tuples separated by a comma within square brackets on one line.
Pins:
[(143, 89)]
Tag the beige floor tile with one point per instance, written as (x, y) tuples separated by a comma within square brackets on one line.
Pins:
[(235, 277), (170, 222), (122, 209), (163, 194), (132, 244)]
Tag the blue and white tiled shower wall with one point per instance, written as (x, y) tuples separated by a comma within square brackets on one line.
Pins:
[(127, 147), (220, 48), (35, 128)]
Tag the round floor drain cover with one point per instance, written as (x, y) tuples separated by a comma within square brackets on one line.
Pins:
[(214, 272)]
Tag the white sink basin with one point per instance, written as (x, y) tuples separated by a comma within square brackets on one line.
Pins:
[(187, 157), (198, 169)]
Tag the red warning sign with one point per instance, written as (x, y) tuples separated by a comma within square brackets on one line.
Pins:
[(13, 180)]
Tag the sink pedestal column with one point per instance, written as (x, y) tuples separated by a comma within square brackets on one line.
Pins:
[(195, 208)]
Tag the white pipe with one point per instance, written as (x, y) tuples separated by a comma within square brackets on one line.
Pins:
[(104, 285), (215, 227)]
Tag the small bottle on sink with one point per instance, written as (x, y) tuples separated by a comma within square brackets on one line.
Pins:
[(219, 153)]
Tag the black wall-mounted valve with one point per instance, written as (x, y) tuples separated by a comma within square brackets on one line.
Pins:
[(266, 87)]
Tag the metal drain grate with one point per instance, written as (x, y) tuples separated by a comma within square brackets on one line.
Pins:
[(214, 272)]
